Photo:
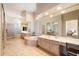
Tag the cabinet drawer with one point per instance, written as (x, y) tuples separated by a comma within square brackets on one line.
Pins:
[(39, 42)]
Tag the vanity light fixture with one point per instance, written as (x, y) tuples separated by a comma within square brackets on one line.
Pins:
[(51, 15), (59, 8)]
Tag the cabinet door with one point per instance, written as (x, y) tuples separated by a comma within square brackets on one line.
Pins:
[(54, 48), (46, 44), (39, 41), (42, 42)]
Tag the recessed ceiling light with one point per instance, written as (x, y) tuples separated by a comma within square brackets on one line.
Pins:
[(46, 13), (51, 15), (59, 8), (62, 12)]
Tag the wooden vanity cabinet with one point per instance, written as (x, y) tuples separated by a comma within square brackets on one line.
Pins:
[(46, 44), (40, 42), (43, 43), (49, 45), (54, 48)]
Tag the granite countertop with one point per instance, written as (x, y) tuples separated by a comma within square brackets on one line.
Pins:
[(61, 39)]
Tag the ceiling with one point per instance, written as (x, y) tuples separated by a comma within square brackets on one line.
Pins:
[(30, 7), (42, 7)]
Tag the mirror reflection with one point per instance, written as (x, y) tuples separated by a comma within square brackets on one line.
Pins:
[(52, 28), (72, 28)]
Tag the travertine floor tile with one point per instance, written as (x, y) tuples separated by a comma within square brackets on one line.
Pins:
[(16, 47)]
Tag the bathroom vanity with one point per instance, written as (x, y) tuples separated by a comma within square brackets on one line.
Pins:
[(58, 45)]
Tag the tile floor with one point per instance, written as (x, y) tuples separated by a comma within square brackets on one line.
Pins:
[(16, 47)]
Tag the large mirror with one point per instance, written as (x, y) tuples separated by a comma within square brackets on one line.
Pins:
[(52, 28), (49, 27), (72, 28), (55, 28)]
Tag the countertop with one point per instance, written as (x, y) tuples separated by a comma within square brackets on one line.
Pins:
[(61, 39), (31, 38), (24, 32)]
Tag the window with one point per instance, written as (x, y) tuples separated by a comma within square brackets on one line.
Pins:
[(24, 28)]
